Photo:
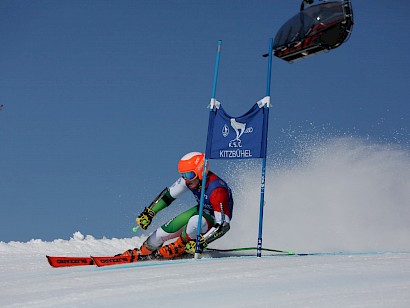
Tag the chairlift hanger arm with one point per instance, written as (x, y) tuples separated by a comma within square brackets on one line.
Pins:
[(302, 6)]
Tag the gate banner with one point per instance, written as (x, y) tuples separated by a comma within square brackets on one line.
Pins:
[(238, 137)]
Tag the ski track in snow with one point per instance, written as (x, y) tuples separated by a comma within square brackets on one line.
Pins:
[(347, 280)]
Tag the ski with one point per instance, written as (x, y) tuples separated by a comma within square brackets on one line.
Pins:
[(81, 261), (113, 260), (69, 261)]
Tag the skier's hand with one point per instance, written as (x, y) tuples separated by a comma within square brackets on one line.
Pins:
[(190, 246), (145, 218)]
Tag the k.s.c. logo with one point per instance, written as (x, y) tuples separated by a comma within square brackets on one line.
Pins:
[(240, 129)]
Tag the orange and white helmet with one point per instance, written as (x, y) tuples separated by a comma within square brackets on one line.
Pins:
[(191, 166)]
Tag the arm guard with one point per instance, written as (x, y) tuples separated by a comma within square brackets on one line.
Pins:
[(213, 234), (159, 203), (216, 232)]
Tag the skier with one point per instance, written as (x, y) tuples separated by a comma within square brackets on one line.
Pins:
[(217, 213)]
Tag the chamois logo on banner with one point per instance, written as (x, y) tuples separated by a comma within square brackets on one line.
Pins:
[(240, 129)]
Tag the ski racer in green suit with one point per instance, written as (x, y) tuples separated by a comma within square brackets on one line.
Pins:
[(217, 213)]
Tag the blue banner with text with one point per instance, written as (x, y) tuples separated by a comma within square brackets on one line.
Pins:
[(237, 137)]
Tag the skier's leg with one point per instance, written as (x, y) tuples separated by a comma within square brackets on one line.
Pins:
[(191, 229), (187, 233), (171, 229)]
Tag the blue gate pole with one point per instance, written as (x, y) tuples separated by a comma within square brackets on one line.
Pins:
[(201, 203), (262, 199)]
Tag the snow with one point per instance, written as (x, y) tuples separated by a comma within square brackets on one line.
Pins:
[(345, 280), (345, 196)]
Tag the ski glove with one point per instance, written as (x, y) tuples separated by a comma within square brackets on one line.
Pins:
[(190, 246), (145, 218)]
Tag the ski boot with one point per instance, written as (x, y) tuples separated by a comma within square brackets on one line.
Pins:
[(172, 250), (142, 253)]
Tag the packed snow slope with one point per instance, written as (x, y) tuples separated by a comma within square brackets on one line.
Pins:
[(349, 280), (342, 195)]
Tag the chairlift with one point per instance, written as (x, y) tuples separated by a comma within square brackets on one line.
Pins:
[(316, 28)]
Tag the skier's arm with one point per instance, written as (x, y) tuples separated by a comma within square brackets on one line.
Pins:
[(220, 203), (159, 203), (219, 200), (164, 199), (213, 234), (168, 195)]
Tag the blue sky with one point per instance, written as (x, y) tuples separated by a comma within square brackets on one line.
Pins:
[(101, 98)]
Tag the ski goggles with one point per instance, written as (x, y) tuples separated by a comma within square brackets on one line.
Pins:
[(190, 175)]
